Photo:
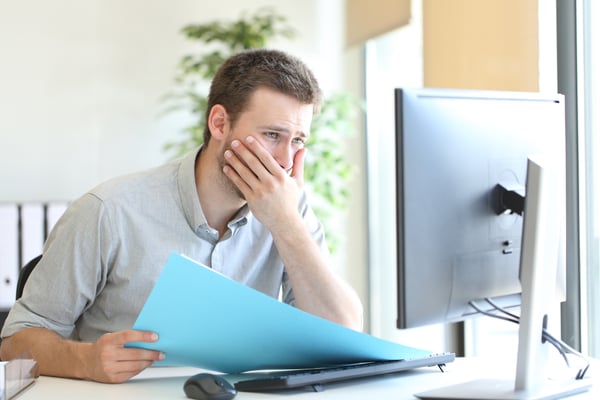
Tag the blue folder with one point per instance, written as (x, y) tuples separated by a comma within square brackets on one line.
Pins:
[(206, 320)]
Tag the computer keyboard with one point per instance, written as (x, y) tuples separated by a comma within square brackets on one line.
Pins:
[(290, 379)]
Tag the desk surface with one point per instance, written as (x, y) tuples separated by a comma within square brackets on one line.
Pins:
[(167, 383)]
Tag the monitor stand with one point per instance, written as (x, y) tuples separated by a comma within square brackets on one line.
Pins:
[(496, 389), (541, 256)]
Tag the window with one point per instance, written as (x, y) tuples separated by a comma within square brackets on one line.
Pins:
[(590, 139), (391, 60), (577, 58)]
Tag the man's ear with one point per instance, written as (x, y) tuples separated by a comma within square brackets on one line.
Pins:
[(218, 122)]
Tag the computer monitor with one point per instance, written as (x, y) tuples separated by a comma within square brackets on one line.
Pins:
[(461, 165), (481, 215)]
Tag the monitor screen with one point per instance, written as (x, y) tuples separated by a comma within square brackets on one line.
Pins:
[(461, 166)]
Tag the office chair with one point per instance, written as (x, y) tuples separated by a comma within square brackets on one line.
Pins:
[(24, 274)]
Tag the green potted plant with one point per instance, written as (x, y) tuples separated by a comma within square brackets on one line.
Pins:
[(327, 171)]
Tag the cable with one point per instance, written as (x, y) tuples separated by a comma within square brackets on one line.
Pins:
[(562, 347), (545, 334), (502, 310), (515, 319)]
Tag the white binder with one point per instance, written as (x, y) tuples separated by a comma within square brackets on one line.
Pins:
[(9, 254)]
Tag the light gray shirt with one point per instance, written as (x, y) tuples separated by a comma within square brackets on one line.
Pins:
[(104, 255)]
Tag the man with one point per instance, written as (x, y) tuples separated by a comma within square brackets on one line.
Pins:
[(236, 205)]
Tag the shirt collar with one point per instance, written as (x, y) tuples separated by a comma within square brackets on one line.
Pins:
[(188, 193)]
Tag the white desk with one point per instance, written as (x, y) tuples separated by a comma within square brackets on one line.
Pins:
[(167, 383)]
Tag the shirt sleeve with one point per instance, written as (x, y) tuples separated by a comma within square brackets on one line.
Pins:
[(69, 275)]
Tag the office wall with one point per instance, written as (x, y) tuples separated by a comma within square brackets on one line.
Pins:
[(492, 44), (82, 82)]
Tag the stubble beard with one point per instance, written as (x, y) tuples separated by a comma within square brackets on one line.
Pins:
[(225, 182)]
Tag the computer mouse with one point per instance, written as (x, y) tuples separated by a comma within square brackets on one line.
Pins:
[(205, 386)]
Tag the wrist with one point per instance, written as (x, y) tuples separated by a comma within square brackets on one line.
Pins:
[(82, 357)]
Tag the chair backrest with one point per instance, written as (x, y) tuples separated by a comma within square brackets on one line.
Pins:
[(24, 275)]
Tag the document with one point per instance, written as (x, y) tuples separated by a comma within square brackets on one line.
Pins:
[(206, 320)]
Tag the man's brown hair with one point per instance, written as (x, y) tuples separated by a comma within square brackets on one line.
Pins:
[(240, 75)]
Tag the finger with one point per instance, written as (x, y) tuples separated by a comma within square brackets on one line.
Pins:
[(240, 158), (298, 167), (256, 158), (123, 337), (136, 354), (266, 159), (112, 347), (234, 171)]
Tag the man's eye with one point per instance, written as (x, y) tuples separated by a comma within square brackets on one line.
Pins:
[(299, 141), (272, 135)]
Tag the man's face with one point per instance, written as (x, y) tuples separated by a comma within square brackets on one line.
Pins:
[(278, 122)]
